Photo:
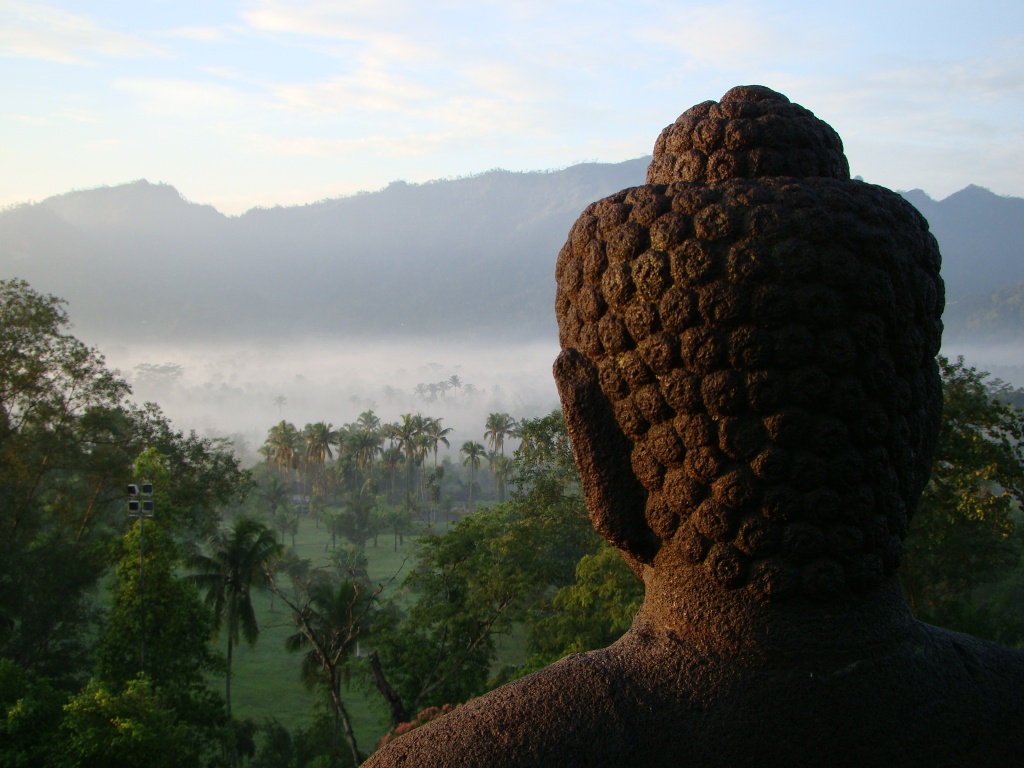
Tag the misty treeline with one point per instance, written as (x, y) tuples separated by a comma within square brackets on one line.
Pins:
[(106, 621), (368, 475)]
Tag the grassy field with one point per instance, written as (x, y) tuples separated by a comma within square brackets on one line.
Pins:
[(266, 676)]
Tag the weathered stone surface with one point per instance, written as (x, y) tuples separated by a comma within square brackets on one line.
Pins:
[(749, 381)]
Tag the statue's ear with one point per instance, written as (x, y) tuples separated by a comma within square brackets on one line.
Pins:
[(615, 498)]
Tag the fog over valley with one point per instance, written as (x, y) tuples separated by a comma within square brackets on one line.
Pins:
[(322, 311), (241, 390)]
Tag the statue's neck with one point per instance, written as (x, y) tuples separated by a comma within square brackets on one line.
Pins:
[(690, 608)]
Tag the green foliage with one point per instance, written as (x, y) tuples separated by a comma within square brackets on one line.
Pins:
[(332, 609), (31, 711), (132, 728), (68, 440), (964, 547), (496, 568), (167, 613), (592, 612), (238, 560)]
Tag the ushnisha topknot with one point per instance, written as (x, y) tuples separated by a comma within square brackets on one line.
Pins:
[(752, 133), (764, 330)]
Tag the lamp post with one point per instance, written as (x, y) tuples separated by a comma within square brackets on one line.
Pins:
[(141, 506)]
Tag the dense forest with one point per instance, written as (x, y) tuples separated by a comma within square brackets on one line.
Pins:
[(123, 613)]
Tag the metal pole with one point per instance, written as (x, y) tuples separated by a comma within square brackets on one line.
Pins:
[(142, 595), (141, 509)]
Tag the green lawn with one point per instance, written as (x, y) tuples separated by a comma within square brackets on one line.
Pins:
[(266, 676)]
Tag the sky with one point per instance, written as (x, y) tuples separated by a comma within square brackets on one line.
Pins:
[(262, 103)]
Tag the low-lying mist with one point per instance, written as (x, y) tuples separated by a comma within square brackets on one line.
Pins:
[(240, 391), (1003, 360)]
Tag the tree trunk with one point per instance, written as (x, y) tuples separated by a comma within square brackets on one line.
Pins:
[(227, 679), (399, 714), (232, 746), (341, 717)]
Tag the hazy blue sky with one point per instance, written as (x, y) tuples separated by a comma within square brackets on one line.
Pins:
[(256, 103)]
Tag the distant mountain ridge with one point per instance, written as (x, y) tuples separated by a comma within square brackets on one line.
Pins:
[(471, 257)]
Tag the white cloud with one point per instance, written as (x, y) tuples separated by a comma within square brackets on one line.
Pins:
[(365, 90), (393, 32), (34, 31), (725, 36), (201, 34), (200, 101)]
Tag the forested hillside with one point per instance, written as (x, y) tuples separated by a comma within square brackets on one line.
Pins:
[(471, 257)]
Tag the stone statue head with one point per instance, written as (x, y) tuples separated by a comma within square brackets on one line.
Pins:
[(748, 369)]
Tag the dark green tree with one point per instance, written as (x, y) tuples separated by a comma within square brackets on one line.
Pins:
[(964, 546), (31, 711), (171, 623), (68, 440), (235, 563), (129, 728), (592, 612), (494, 569), (474, 454), (332, 609)]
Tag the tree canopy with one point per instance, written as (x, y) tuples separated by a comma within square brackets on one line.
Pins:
[(963, 552), (69, 437)]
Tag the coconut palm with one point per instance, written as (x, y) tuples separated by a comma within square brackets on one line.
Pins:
[(391, 460), (437, 434), (455, 383), (273, 492), (364, 446), (404, 433), (368, 421), (236, 563), (474, 453), (501, 466), (283, 446), (319, 439), (498, 426), (331, 615)]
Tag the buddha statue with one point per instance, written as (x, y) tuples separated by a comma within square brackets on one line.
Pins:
[(748, 378)]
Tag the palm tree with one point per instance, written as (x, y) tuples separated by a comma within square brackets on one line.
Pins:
[(405, 433), (501, 466), (368, 421), (365, 447), (391, 460), (282, 444), (498, 426), (474, 453), (455, 383), (319, 438), (274, 492), (334, 613), (437, 435), (236, 563), (443, 387)]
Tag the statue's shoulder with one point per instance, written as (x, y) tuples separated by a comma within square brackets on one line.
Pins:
[(570, 713), (979, 668)]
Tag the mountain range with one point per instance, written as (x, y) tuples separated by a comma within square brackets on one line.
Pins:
[(470, 258)]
